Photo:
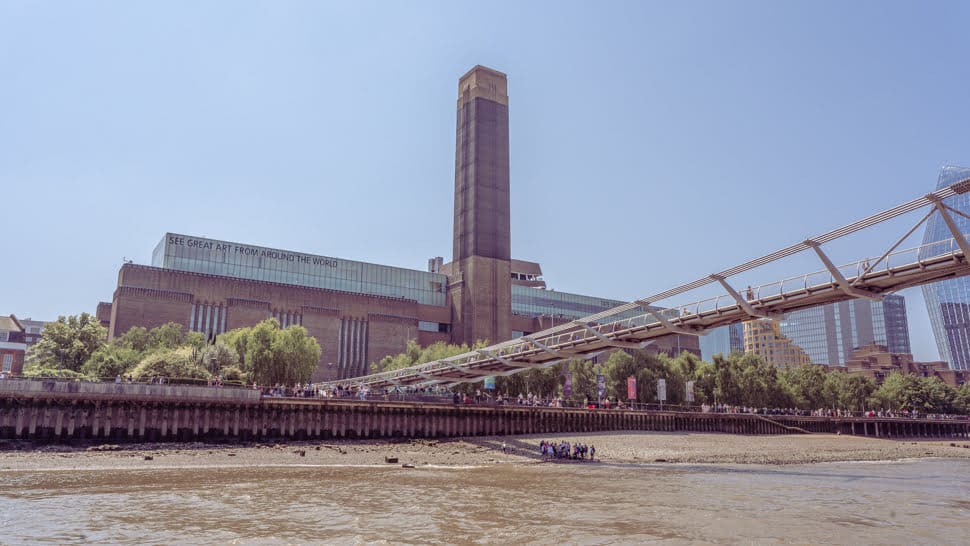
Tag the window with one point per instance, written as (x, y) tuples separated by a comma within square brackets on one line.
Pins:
[(7, 362), (4, 335)]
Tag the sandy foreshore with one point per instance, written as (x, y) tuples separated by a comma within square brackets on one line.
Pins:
[(613, 447)]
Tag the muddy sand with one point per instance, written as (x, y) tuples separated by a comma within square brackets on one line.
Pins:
[(611, 447)]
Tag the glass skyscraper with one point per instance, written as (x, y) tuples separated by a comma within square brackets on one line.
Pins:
[(725, 340), (948, 302), (830, 333)]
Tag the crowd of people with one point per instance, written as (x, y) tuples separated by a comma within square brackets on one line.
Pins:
[(364, 392), (565, 450)]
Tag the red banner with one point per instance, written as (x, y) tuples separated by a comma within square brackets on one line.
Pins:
[(631, 388)]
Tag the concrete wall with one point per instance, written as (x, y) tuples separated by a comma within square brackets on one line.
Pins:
[(51, 411)]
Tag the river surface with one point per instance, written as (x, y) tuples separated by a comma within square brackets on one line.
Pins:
[(908, 502)]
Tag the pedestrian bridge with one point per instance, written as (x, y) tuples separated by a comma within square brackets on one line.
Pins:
[(636, 324)]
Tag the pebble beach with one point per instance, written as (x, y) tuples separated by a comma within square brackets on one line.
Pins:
[(612, 447)]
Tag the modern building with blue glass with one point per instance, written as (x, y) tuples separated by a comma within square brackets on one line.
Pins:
[(829, 333), (724, 341), (360, 312), (948, 302)]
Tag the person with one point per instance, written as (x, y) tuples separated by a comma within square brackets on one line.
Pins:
[(592, 452), (118, 379)]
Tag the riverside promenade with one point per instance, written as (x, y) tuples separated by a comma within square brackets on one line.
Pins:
[(67, 411)]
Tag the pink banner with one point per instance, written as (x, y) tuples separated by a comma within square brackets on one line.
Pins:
[(631, 388)]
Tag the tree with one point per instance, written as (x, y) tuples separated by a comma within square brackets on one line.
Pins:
[(175, 365), (848, 391), (136, 338), (746, 380), (583, 379), (807, 386), (166, 336), (415, 354), (619, 366), (110, 361), (911, 392), (68, 343), (296, 356), (962, 398), (222, 356), (270, 355)]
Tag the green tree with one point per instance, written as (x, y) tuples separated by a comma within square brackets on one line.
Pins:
[(136, 339), (221, 356), (110, 361), (911, 392), (618, 367), (166, 336), (67, 343), (296, 356), (415, 354), (746, 380), (175, 365), (584, 379), (962, 399), (807, 386), (848, 391), (269, 355)]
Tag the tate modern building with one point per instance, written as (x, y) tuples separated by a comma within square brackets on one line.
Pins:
[(360, 312)]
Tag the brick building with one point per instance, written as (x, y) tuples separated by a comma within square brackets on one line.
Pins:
[(13, 345), (877, 362), (360, 312)]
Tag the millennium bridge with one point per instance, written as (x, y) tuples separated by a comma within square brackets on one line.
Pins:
[(634, 325)]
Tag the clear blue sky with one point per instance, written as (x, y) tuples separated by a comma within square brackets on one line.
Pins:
[(651, 143)]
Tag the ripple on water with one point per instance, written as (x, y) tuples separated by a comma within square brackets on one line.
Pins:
[(917, 502)]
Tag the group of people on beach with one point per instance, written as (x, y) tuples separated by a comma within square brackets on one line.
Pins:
[(565, 450)]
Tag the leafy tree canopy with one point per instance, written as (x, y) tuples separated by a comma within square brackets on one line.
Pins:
[(67, 343)]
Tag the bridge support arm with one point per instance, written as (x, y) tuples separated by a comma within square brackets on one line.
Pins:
[(839, 277), (951, 225), (669, 326), (743, 303), (606, 340), (503, 360), (542, 346), (470, 371)]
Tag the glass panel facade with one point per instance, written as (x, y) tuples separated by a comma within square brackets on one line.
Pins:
[(536, 302), (829, 333), (199, 255), (724, 340), (948, 302)]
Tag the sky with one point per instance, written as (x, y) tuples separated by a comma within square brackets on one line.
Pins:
[(652, 143)]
